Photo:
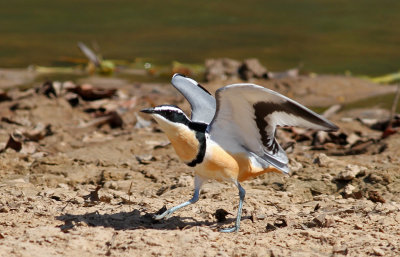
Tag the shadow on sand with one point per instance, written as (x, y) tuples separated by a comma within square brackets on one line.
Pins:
[(134, 220)]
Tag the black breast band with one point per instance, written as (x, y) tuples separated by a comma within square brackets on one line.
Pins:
[(200, 129)]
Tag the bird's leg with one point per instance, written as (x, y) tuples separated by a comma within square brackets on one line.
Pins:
[(198, 182), (242, 193)]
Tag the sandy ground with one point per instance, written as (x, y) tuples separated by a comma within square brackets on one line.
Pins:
[(84, 190)]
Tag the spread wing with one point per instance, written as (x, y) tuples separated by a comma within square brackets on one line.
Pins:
[(246, 119), (202, 102)]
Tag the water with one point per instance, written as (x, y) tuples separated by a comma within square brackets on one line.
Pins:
[(361, 36)]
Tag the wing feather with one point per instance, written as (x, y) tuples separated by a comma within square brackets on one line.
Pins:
[(203, 104), (247, 116)]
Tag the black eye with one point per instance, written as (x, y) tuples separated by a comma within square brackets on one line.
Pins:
[(169, 114)]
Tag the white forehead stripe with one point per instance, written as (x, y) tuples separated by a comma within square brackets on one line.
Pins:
[(168, 108)]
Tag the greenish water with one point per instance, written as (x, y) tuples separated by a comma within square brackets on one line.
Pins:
[(329, 36), (380, 101)]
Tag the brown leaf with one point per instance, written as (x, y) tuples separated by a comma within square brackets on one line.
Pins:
[(389, 131), (47, 89), (115, 120), (9, 121), (13, 144), (90, 93), (111, 118), (72, 99), (4, 96)]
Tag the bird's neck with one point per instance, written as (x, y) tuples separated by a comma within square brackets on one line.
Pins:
[(188, 140)]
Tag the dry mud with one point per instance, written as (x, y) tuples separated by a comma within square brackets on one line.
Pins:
[(92, 191)]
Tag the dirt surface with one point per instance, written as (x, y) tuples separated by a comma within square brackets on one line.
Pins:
[(77, 187)]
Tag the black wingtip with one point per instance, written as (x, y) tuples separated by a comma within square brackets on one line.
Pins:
[(332, 127)]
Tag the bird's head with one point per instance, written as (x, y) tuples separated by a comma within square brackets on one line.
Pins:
[(168, 116)]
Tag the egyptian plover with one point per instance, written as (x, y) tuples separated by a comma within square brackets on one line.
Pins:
[(231, 137)]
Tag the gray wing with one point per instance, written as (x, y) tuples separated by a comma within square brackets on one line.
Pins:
[(202, 102), (247, 117)]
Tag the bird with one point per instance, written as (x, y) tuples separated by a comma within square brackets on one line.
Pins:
[(231, 137)]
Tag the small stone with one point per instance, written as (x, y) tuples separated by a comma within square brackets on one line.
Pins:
[(220, 69), (145, 158), (260, 217), (374, 178), (4, 209), (280, 223), (348, 190), (340, 250), (77, 200), (350, 172), (252, 68), (329, 222), (111, 185), (353, 138), (295, 166), (63, 186), (270, 227), (376, 197), (324, 161), (378, 251), (319, 220), (321, 138)]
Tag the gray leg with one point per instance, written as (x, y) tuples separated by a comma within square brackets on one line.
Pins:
[(242, 193), (198, 182)]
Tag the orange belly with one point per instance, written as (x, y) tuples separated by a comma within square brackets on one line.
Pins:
[(221, 165)]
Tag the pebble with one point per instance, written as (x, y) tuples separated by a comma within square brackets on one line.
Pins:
[(350, 172), (4, 209), (349, 189), (324, 161), (378, 251)]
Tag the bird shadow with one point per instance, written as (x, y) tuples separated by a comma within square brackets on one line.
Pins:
[(132, 220)]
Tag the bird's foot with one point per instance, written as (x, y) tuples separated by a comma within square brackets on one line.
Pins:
[(164, 215), (229, 230)]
